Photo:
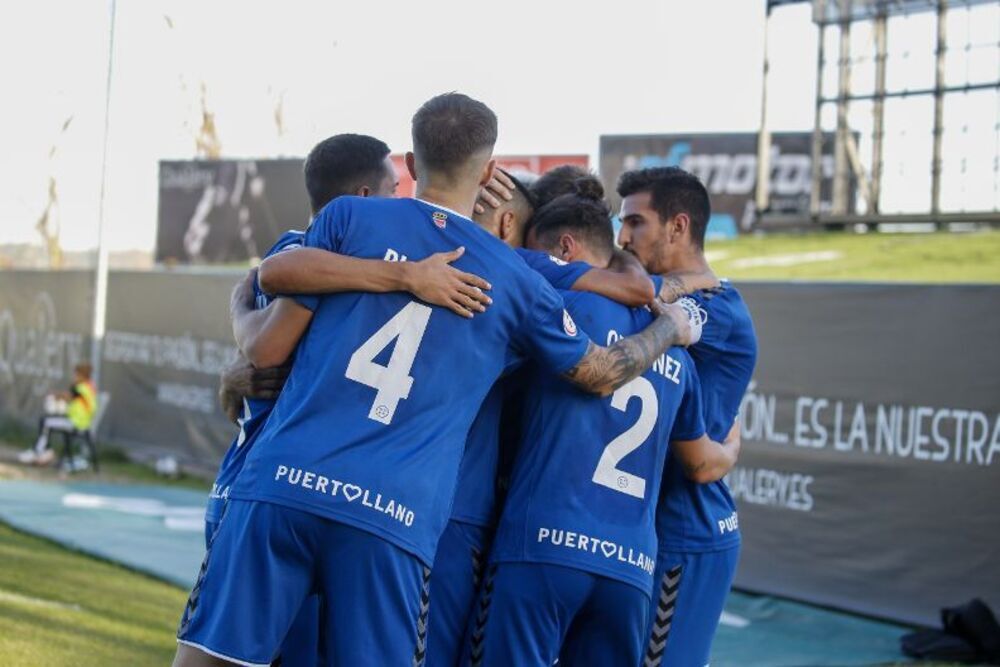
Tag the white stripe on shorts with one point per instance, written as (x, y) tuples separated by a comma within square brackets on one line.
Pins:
[(222, 656)]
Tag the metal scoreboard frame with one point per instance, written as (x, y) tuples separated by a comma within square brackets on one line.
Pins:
[(849, 167)]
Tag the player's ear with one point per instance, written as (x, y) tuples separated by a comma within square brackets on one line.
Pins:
[(487, 172), (567, 247), (507, 226), (364, 191), (678, 227), (411, 164)]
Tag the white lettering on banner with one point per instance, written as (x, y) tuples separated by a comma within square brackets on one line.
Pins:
[(736, 174), (919, 432), (182, 353), (759, 486), (186, 396), (757, 417), (37, 350), (569, 539), (328, 486)]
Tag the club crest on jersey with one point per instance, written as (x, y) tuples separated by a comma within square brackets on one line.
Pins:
[(569, 326), (440, 219), (696, 314)]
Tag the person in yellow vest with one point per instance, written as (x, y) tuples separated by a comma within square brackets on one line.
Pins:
[(65, 411)]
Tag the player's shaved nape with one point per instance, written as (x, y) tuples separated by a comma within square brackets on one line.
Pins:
[(450, 132)]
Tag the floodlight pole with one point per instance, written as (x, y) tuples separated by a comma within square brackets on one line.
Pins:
[(101, 273), (942, 13), (764, 135), (878, 110), (840, 156), (817, 138)]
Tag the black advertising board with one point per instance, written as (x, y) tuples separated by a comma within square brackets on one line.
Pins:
[(727, 164), (222, 211)]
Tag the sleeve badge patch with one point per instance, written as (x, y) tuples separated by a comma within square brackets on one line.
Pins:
[(569, 326)]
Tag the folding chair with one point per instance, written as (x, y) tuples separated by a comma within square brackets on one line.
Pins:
[(87, 437)]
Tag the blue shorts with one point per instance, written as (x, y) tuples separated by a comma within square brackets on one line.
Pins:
[(210, 528), (267, 559), (458, 570), (536, 613), (301, 647), (690, 593)]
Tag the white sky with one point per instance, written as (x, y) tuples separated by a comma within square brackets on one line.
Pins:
[(558, 73)]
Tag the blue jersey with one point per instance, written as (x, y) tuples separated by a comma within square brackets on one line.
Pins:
[(561, 275), (702, 517), (588, 472), (371, 425), (254, 413), (476, 493)]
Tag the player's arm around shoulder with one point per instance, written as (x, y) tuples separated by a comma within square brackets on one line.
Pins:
[(266, 337), (433, 279), (604, 369), (624, 280)]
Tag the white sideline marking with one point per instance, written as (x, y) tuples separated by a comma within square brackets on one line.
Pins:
[(716, 255), (789, 259), (7, 596), (733, 621), (188, 519)]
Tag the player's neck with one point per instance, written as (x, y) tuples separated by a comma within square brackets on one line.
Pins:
[(690, 260), (457, 199)]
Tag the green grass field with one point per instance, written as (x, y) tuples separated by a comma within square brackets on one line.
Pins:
[(60, 608), (932, 258)]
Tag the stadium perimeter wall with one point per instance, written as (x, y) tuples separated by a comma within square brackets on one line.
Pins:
[(870, 474)]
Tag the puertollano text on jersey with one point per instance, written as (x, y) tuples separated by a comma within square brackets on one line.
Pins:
[(349, 492), (595, 545)]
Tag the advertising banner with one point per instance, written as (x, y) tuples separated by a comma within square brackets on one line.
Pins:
[(222, 211), (168, 338), (727, 165), (870, 471), (45, 321)]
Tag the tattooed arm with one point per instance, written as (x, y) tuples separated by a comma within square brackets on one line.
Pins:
[(680, 283), (604, 369), (706, 460)]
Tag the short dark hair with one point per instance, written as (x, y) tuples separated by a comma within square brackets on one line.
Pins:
[(451, 128), (672, 190), (523, 201), (582, 212), (560, 181), (341, 164)]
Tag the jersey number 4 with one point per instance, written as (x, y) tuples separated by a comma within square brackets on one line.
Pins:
[(392, 382), (607, 474)]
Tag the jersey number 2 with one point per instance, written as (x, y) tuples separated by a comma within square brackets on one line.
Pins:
[(606, 473), (392, 381)]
